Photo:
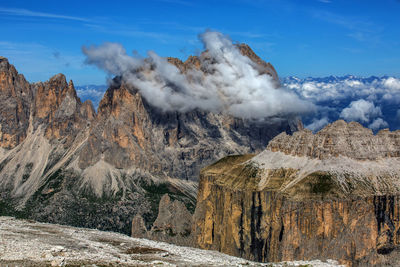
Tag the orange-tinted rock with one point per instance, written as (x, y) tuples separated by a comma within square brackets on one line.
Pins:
[(16, 97), (58, 108)]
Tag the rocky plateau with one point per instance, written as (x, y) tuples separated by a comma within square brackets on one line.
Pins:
[(333, 194)]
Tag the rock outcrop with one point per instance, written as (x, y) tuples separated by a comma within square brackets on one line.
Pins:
[(334, 194), (173, 224), (61, 162)]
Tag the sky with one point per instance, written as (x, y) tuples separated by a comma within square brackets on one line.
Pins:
[(300, 38)]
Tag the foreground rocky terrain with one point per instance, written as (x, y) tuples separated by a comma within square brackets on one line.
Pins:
[(29, 243), (62, 162), (334, 194)]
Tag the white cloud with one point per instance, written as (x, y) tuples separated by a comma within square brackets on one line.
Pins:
[(385, 89), (377, 124), (361, 110), (317, 124), (91, 92), (230, 82), (392, 83)]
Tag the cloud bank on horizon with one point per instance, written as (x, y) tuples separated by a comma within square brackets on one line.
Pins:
[(373, 102), (228, 82)]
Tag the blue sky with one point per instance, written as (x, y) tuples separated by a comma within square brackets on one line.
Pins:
[(300, 38)]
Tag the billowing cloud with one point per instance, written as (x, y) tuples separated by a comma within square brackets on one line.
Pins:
[(392, 83), (229, 82), (361, 110)]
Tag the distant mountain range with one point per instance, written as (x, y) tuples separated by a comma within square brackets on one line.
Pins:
[(332, 78)]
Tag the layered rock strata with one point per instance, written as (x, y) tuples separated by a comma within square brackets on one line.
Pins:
[(334, 194)]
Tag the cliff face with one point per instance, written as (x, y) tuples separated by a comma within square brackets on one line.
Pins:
[(63, 163), (334, 195), (16, 97)]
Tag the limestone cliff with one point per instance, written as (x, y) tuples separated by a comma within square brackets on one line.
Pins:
[(61, 162), (334, 194)]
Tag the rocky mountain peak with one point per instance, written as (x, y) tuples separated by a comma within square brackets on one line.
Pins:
[(15, 98), (263, 67), (196, 62), (246, 50), (6, 67), (192, 62), (4, 64), (58, 78)]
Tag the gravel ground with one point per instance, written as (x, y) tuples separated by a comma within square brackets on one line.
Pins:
[(29, 243)]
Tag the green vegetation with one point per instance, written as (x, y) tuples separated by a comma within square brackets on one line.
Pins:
[(7, 208), (50, 187), (91, 197)]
